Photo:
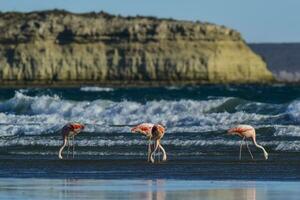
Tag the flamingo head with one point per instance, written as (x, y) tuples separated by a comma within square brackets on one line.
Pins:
[(266, 155)]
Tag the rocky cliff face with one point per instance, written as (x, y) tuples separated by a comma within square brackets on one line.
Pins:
[(57, 46)]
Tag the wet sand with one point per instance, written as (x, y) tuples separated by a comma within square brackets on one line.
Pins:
[(160, 189), (280, 167)]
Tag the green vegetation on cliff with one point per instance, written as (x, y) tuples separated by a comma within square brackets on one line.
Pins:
[(58, 46)]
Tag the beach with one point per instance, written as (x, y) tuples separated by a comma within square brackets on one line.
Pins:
[(145, 100), (111, 163)]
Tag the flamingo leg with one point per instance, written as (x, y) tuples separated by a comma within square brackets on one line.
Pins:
[(158, 150), (154, 152), (149, 149), (164, 152), (68, 147), (73, 146), (158, 153), (249, 150), (155, 149), (241, 148)]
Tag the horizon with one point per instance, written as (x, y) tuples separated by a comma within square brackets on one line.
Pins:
[(258, 22)]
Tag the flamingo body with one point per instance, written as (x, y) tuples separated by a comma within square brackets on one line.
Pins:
[(144, 128), (69, 130), (246, 132), (242, 131), (154, 132)]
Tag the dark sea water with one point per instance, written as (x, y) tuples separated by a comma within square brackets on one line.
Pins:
[(196, 142)]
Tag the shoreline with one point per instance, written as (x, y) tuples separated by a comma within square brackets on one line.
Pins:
[(189, 185)]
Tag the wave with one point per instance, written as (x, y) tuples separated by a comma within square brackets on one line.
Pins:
[(96, 89), (115, 144), (293, 110), (287, 130), (29, 115), (288, 146), (102, 111)]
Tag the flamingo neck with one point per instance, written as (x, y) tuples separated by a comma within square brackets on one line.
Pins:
[(261, 147)]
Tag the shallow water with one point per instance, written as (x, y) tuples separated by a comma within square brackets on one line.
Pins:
[(159, 189), (196, 142)]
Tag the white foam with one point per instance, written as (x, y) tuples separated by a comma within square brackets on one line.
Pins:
[(287, 130), (293, 110), (96, 89), (30, 141), (288, 146), (55, 142), (173, 87), (51, 112)]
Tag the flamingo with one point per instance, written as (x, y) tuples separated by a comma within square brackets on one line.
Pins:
[(69, 130), (153, 132), (246, 131)]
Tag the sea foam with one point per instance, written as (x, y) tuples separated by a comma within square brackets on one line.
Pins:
[(96, 89)]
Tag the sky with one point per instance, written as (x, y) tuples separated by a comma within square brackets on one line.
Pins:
[(257, 20)]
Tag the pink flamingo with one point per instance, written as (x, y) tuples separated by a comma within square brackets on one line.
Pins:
[(69, 130), (246, 131), (153, 132)]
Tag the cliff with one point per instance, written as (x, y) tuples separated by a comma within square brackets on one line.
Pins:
[(61, 47)]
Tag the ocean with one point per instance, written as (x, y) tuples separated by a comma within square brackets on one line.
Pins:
[(196, 118)]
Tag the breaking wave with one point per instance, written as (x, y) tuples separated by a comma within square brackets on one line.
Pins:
[(293, 111), (190, 123), (115, 144), (25, 114)]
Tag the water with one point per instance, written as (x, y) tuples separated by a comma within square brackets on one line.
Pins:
[(145, 189), (196, 142)]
